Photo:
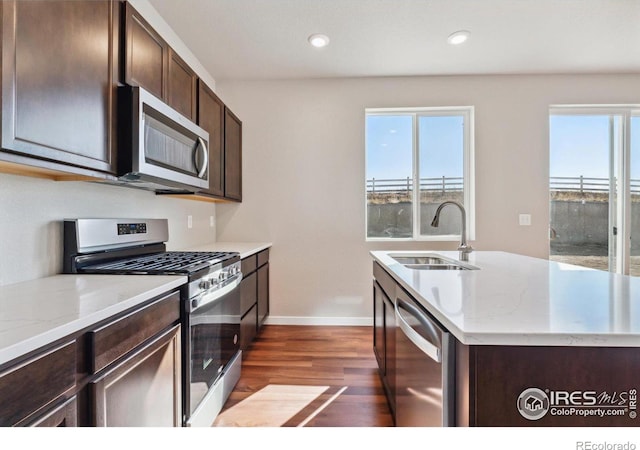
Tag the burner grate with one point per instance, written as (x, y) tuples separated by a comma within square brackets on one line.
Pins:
[(182, 262)]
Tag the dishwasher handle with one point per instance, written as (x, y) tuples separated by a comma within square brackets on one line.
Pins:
[(432, 349)]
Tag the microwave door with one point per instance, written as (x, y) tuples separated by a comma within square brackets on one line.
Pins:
[(172, 153)]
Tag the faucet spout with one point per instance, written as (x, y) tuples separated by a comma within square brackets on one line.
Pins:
[(464, 248)]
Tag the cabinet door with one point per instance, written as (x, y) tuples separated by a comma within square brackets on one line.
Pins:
[(232, 156), (146, 55), (144, 389), (211, 118), (182, 86), (263, 293), (248, 327), (60, 63)]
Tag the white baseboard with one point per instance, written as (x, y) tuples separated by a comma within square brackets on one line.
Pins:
[(331, 321)]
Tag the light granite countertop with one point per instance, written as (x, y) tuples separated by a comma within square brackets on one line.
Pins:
[(518, 300), (244, 248), (37, 312)]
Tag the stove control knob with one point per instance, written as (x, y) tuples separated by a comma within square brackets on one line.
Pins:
[(205, 284), (222, 276)]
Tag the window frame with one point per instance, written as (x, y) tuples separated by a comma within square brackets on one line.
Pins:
[(622, 174), (467, 112)]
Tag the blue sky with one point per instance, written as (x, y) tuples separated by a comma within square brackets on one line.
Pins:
[(389, 146), (579, 146)]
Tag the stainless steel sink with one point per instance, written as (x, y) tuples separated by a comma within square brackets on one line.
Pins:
[(431, 261), (419, 260)]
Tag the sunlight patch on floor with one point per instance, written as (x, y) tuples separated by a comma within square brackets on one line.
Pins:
[(271, 406)]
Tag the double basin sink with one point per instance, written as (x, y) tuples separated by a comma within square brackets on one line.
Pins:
[(430, 261)]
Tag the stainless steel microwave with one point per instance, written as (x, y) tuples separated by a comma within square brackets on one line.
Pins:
[(159, 149)]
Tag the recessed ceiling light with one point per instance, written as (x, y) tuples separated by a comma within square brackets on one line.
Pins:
[(319, 40), (458, 37)]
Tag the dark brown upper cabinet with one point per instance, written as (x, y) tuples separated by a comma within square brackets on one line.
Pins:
[(153, 65), (211, 118), (182, 94), (232, 156), (146, 55), (60, 66)]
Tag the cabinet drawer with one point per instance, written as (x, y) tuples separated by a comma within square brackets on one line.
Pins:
[(385, 281), (263, 257), (115, 339), (35, 383), (249, 264), (248, 293)]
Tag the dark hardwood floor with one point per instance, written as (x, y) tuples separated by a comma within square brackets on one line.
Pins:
[(313, 376)]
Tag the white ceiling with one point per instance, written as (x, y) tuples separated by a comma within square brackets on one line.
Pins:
[(267, 39)]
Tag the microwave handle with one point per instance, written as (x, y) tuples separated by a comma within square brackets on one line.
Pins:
[(203, 146)]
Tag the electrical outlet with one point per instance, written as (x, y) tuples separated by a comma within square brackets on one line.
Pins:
[(525, 219), (189, 221), (212, 222)]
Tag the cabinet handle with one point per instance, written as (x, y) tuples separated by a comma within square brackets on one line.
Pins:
[(428, 348), (203, 145)]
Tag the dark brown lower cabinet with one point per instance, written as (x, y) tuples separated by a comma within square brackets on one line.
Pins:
[(254, 296), (63, 415), (248, 309), (29, 389), (144, 389), (263, 294), (248, 327)]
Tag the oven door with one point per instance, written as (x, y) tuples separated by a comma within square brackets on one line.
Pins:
[(213, 327)]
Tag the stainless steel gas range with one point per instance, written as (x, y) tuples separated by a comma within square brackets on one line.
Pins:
[(210, 300)]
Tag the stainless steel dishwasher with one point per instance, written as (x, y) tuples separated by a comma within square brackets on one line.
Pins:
[(424, 367)]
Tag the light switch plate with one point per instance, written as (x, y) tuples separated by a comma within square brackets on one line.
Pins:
[(189, 221), (525, 219)]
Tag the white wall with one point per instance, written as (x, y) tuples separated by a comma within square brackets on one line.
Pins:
[(32, 211), (303, 171)]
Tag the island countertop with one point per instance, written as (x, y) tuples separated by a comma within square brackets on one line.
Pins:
[(519, 300)]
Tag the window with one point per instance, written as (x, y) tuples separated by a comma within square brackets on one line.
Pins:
[(424, 154), (594, 187)]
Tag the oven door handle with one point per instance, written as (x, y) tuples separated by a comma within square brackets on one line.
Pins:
[(210, 297)]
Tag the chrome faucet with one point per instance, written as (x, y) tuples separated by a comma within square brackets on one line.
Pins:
[(464, 248)]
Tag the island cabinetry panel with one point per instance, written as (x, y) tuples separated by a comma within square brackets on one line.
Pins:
[(548, 386), (60, 69), (31, 390), (384, 333)]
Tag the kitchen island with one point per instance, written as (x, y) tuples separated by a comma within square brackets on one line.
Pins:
[(534, 342)]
